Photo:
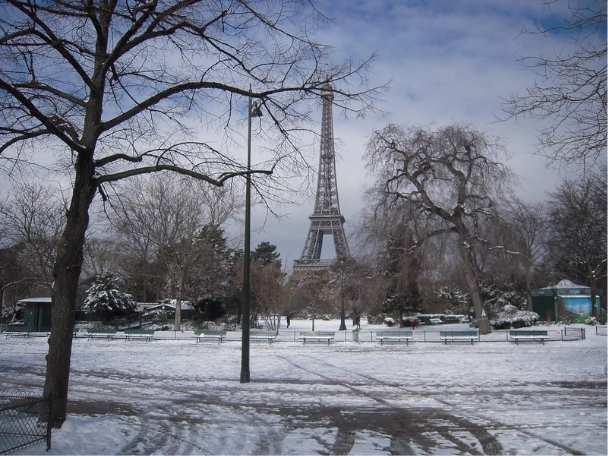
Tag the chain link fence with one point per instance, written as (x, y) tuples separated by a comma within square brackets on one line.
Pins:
[(20, 424)]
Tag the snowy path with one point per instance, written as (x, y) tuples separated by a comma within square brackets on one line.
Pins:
[(177, 397)]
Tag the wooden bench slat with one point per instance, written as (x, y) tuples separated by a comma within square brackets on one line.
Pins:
[(201, 334), (459, 335), (317, 335), (263, 335), (17, 334), (534, 335), (395, 335), (105, 333), (147, 334), (18, 331)]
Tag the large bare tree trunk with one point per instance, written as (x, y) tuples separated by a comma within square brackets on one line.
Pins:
[(67, 273), (471, 278)]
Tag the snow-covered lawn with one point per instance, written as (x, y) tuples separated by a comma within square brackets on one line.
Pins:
[(173, 396)]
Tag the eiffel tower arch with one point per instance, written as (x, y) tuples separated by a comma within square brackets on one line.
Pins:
[(326, 220)]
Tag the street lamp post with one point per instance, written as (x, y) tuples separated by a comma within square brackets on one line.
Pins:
[(342, 313), (252, 111)]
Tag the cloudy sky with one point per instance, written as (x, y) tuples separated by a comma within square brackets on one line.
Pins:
[(448, 62)]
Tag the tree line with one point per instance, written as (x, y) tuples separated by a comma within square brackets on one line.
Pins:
[(443, 232)]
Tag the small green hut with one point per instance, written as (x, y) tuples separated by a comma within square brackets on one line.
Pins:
[(554, 302), (36, 313)]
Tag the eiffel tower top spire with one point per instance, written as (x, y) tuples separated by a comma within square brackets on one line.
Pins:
[(327, 201), (326, 217)]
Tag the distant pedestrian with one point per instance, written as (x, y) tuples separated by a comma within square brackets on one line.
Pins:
[(414, 324), (358, 321), (288, 320)]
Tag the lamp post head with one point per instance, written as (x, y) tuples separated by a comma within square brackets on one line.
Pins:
[(256, 110)]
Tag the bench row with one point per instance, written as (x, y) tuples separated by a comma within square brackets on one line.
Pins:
[(385, 336), (515, 335), (397, 336), (105, 333), (220, 336)]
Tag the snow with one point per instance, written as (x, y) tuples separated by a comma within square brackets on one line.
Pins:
[(565, 283), (174, 396)]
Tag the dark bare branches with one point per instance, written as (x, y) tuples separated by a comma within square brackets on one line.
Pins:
[(570, 88), (450, 177)]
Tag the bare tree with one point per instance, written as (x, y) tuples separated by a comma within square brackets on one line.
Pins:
[(350, 285), (13, 279), (107, 90), (394, 230), (449, 175), (577, 236), (527, 227), (32, 218), (101, 255), (312, 295), (268, 285), (267, 288), (570, 87), (171, 215)]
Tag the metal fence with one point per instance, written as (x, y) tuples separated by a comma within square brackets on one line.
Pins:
[(578, 333), (601, 330), (20, 425)]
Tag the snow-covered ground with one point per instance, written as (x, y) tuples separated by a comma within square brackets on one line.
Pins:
[(173, 396)]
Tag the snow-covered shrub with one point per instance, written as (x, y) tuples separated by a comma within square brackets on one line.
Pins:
[(389, 321), (375, 319), (158, 316), (456, 301), (512, 317), (13, 314), (497, 295), (105, 300), (591, 321)]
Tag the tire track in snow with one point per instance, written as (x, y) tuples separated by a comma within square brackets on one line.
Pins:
[(488, 442)]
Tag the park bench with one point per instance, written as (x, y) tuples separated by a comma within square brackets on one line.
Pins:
[(317, 336), (201, 334), (147, 334), (263, 335), (395, 335), (459, 336), (75, 332), (534, 335), (102, 333), (18, 331)]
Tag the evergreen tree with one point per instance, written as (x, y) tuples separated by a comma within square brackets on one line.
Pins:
[(266, 253), (105, 300)]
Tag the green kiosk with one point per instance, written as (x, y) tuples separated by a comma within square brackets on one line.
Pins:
[(566, 298), (36, 313)]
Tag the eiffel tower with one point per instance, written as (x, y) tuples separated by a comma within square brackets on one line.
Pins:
[(326, 218)]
